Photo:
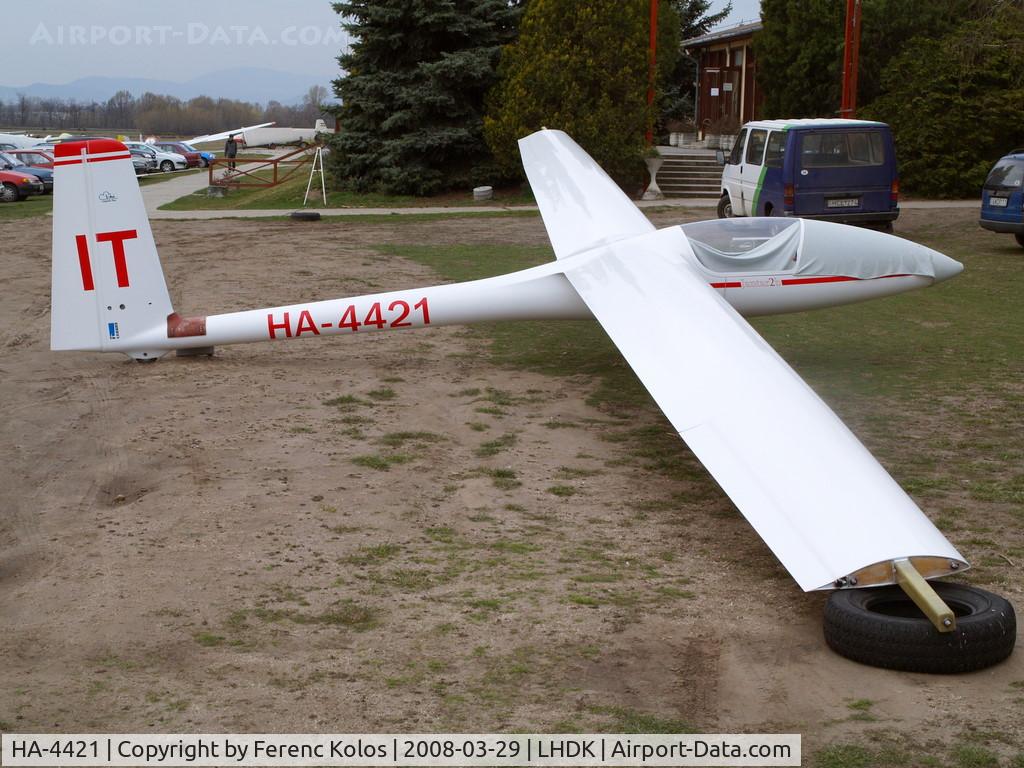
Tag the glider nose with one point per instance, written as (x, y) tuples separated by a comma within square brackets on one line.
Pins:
[(945, 267)]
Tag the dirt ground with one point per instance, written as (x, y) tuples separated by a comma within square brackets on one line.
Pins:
[(374, 534)]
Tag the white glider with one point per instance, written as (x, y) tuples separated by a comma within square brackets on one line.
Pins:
[(224, 134), (672, 300)]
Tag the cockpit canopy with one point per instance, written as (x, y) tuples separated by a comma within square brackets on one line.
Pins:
[(746, 245), (761, 245)]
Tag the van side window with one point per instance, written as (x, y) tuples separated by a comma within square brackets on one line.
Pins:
[(835, 149), (755, 146), (737, 149), (776, 149)]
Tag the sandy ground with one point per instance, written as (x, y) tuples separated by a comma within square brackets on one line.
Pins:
[(190, 546)]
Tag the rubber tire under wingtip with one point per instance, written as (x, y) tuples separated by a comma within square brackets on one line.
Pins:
[(306, 215), (986, 629)]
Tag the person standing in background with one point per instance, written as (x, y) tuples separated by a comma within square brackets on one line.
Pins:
[(231, 151)]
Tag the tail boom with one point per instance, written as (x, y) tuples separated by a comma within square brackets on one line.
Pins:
[(541, 293)]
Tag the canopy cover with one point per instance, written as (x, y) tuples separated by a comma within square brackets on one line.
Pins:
[(798, 247)]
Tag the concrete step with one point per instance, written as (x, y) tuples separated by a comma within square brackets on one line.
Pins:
[(688, 173), (700, 195), (698, 163), (709, 188), (695, 174)]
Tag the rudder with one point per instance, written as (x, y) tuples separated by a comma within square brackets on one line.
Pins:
[(108, 288)]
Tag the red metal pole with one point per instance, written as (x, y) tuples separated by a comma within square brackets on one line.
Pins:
[(851, 59), (652, 72)]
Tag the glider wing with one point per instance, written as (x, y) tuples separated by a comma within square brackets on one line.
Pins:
[(581, 206), (224, 135), (814, 493)]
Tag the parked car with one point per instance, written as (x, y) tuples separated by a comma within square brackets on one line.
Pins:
[(35, 158), (8, 162), (836, 170), (205, 157), (192, 157), (144, 161), (1002, 197), (166, 161), (18, 186)]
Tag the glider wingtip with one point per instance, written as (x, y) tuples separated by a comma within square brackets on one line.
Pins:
[(542, 134)]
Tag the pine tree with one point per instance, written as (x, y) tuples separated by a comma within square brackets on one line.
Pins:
[(583, 68), (413, 93)]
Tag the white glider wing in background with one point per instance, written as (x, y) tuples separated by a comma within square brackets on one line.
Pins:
[(818, 498), (224, 134)]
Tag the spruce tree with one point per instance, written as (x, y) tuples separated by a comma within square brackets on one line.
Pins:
[(413, 92), (583, 68)]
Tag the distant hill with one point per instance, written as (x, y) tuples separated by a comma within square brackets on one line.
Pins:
[(246, 84)]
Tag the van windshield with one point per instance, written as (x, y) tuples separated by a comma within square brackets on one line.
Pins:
[(837, 149), (1008, 174)]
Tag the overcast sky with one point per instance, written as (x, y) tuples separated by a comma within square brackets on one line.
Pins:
[(57, 41)]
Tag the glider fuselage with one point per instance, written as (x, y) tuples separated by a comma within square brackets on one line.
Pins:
[(538, 293)]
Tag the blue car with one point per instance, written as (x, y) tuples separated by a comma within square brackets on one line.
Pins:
[(1002, 197), (206, 157), (45, 175)]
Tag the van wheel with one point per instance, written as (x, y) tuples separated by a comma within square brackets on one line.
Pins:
[(1019, 237), (769, 210), (725, 207)]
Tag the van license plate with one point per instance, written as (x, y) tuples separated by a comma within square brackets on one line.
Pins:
[(997, 202), (843, 202)]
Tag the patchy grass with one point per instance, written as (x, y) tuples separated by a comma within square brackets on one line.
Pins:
[(345, 613), (626, 720), (563, 491), (496, 446), (208, 639), (36, 205), (382, 462), (373, 555), (399, 439), (576, 473), (503, 479), (345, 402)]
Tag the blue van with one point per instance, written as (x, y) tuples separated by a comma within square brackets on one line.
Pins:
[(836, 170), (1002, 197)]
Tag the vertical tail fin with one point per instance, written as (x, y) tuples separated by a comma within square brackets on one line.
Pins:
[(107, 284)]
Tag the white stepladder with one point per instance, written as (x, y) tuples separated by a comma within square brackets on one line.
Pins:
[(318, 167)]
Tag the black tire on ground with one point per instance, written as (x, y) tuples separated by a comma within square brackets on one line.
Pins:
[(725, 207), (306, 215), (880, 626), (9, 193), (1019, 237), (166, 166)]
